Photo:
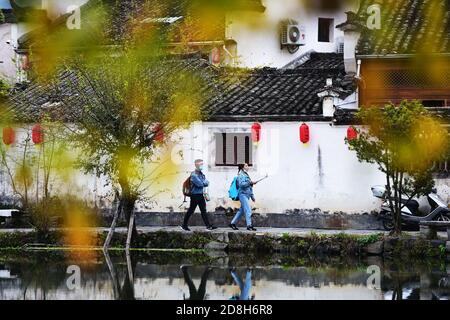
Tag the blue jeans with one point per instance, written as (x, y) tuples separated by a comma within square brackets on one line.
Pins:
[(244, 287), (245, 208)]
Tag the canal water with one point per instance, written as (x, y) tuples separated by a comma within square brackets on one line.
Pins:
[(57, 275)]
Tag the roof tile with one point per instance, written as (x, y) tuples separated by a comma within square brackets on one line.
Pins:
[(261, 94), (407, 27)]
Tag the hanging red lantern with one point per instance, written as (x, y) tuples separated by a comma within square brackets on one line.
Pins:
[(37, 134), (9, 136), (304, 133), (352, 134), (215, 56), (158, 132), (26, 62), (256, 132)]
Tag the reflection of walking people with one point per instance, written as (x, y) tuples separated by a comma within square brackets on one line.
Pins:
[(195, 294), (245, 193), (245, 287), (198, 184)]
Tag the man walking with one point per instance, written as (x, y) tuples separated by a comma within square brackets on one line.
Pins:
[(194, 293), (198, 184)]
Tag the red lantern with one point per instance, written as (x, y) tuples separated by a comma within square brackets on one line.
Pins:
[(256, 132), (9, 136), (352, 134), (215, 56), (37, 134), (304, 133), (158, 132), (25, 62)]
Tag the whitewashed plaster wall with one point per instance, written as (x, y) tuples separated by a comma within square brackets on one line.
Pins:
[(55, 8), (258, 36), (322, 174)]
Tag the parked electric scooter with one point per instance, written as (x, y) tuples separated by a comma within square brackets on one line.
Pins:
[(411, 215)]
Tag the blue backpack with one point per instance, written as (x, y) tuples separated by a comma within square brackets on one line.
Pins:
[(233, 192)]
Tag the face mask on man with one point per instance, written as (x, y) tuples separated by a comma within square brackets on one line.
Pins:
[(200, 168)]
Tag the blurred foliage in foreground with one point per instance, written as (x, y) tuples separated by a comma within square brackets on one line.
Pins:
[(127, 96)]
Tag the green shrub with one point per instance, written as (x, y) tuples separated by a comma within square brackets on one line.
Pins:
[(369, 239), (4, 88)]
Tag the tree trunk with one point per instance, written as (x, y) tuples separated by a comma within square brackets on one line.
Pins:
[(396, 205), (127, 292), (113, 226), (113, 275), (128, 209), (25, 178), (131, 230), (390, 197), (128, 201), (400, 205), (398, 201)]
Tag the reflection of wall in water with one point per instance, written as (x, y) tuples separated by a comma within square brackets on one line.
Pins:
[(166, 282)]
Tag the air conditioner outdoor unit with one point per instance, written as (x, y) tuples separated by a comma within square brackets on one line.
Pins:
[(293, 35)]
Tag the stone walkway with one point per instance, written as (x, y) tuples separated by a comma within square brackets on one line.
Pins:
[(261, 231), (270, 231), (302, 232)]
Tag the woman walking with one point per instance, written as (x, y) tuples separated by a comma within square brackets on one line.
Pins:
[(245, 193)]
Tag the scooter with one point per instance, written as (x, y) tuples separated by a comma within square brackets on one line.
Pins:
[(411, 215)]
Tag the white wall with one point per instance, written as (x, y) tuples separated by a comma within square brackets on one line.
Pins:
[(64, 179), (56, 8), (350, 42), (7, 65), (258, 39), (322, 174), (13, 32), (300, 176)]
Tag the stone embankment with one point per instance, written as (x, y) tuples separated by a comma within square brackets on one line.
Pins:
[(295, 241)]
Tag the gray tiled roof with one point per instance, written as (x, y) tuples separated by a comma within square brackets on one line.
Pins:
[(8, 16), (61, 99), (121, 13), (318, 60), (239, 95), (407, 27), (272, 94), (280, 94), (18, 14)]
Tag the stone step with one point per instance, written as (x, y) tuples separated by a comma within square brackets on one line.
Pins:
[(314, 220)]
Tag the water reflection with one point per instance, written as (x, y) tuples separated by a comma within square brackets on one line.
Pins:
[(129, 276), (194, 293), (244, 287), (423, 286), (122, 290)]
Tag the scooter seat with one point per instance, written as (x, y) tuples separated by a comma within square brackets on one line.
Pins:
[(412, 205)]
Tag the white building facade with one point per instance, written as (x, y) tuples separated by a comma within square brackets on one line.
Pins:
[(320, 174), (257, 34), (13, 63)]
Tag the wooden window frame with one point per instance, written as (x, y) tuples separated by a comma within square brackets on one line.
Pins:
[(248, 149)]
